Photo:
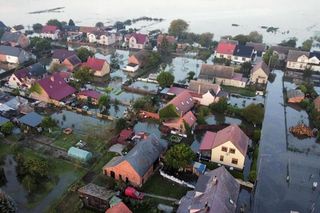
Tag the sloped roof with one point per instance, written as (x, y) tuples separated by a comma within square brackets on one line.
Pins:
[(231, 133), (315, 54), (2, 25), (207, 141), (62, 54), (141, 56), (182, 102), (74, 60), (226, 48), (263, 66), (170, 39), (90, 93), (293, 93), (56, 87), (49, 29), (10, 36), (209, 71), (119, 208), (97, 191), (189, 118), (293, 55), (143, 155), (216, 189), (201, 87), (3, 120), (259, 47), (140, 38), (33, 70), (281, 49), (85, 29), (95, 63), (32, 119), (12, 51), (243, 51)]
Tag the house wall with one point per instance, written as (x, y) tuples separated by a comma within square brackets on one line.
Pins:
[(92, 38), (220, 55), (227, 156), (133, 60), (43, 96), (3, 58), (12, 59), (230, 82), (207, 99), (14, 81), (54, 36), (105, 70), (107, 40), (295, 99), (176, 125), (296, 65), (134, 45), (259, 76), (240, 60)]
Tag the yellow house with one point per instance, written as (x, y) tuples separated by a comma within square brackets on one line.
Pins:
[(260, 73), (228, 146)]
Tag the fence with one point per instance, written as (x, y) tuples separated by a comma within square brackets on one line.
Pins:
[(176, 180)]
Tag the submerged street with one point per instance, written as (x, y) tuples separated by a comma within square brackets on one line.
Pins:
[(273, 192)]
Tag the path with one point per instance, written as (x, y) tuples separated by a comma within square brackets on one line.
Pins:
[(161, 197)]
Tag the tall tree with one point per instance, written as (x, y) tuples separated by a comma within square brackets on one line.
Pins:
[(99, 25), (292, 42), (178, 27), (179, 157), (246, 68), (205, 39), (71, 23), (165, 79), (307, 44), (55, 22), (254, 36), (37, 27), (83, 74), (83, 53)]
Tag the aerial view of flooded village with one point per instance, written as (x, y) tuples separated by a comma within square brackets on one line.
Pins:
[(144, 106)]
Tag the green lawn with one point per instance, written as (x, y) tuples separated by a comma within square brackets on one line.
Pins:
[(241, 91), (163, 187), (65, 141)]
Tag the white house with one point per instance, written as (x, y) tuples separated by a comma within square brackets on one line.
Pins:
[(137, 40), (102, 37), (297, 60), (50, 31)]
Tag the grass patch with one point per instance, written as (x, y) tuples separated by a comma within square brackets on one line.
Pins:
[(241, 91), (254, 165), (163, 187), (65, 141)]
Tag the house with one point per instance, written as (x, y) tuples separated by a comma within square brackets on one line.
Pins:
[(91, 95), (31, 120), (102, 37), (137, 60), (2, 26), (260, 73), (79, 154), (216, 191), (210, 93), (50, 31), (228, 146), (137, 40), (316, 103), (281, 51), (52, 89), (99, 67), (72, 62), (59, 55), (96, 197), (297, 60), (181, 124), (16, 39), (314, 61), (183, 103), (3, 120), (171, 40), (119, 208), (26, 77), (13, 55), (242, 54), (87, 30), (222, 75), (225, 49), (259, 48), (295, 96), (139, 164)]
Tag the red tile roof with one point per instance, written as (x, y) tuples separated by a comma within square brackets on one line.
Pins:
[(141, 38), (119, 208), (183, 102), (126, 133), (90, 93), (49, 29), (56, 87), (189, 118), (231, 133), (207, 141), (95, 63), (225, 48)]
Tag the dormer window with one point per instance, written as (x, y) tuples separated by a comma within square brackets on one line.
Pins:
[(182, 103)]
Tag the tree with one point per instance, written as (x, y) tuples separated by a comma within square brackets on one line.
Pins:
[(221, 106), (83, 74), (165, 79), (306, 45), (205, 39), (121, 124), (104, 103), (37, 27), (99, 25), (55, 22), (119, 25), (114, 59), (307, 73), (7, 128), (7, 204), (83, 53), (178, 27), (292, 42), (254, 36), (270, 58), (144, 103), (246, 69), (29, 183), (168, 112), (40, 44), (253, 113), (190, 76), (242, 39), (71, 23), (48, 122), (179, 157), (154, 59)]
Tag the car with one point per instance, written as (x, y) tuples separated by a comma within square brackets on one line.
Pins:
[(133, 193)]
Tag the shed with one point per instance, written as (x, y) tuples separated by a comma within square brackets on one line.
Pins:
[(199, 168), (3, 120), (79, 154), (31, 119)]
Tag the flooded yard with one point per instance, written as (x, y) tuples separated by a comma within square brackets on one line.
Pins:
[(242, 102), (221, 119), (151, 87), (148, 127)]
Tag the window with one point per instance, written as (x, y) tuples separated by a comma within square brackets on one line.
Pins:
[(221, 157), (224, 149), (243, 59), (234, 161), (232, 151)]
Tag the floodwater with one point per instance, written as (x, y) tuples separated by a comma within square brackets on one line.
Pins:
[(221, 119), (217, 16), (273, 193)]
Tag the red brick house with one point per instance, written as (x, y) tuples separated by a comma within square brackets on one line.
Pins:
[(140, 162)]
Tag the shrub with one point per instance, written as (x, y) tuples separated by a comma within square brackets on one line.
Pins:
[(168, 112)]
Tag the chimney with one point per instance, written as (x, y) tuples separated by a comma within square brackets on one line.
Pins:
[(52, 78), (199, 88)]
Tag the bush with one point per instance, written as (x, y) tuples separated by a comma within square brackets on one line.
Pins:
[(253, 113), (165, 79), (168, 112), (253, 176), (7, 128), (256, 135), (221, 106)]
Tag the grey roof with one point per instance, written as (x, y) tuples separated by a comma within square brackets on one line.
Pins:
[(208, 72), (11, 36), (8, 50), (37, 69), (97, 191), (281, 49), (3, 120), (201, 87), (2, 25), (32, 119), (143, 155), (263, 66), (259, 47), (243, 51), (212, 196), (293, 55), (294, 93), (74, 60)]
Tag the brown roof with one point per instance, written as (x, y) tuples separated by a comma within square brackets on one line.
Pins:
[(201, 87), (231, 133), (316, 103), (208, 72), (263, 66), (96, 191), (183, 103), (260, 47), (141, 56), (281, 49), (293, 55), (88, 29)]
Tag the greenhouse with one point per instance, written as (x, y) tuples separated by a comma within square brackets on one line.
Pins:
[(79, 154)]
